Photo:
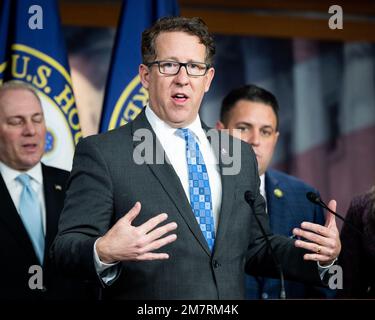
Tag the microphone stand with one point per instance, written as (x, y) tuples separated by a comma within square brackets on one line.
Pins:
[(314, 198), (250, 200)]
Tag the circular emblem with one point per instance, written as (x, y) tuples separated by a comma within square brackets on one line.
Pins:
[(130, 103), (278, 193), (54, 86)]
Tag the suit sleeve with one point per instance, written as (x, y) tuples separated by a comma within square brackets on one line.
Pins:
[(259, 261), (87, 213)]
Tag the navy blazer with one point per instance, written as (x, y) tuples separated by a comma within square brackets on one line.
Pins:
[(287, 208)]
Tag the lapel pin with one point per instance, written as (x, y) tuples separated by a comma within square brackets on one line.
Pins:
[(224, 152), (278, 193), (58, 187)]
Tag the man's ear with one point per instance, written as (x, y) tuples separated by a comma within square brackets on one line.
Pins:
[(277, 136), (144, 74), (220, 125), (209, 77)]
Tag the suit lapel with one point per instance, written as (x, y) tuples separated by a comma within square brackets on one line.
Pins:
[(276, 205), (12, 220), (168, 178), (221, 150), (54, 197)]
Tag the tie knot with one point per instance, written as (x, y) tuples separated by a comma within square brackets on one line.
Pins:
[(186, 133), (183, 132), (24, 179)]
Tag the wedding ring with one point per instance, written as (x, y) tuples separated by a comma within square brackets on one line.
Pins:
[(319, 249)]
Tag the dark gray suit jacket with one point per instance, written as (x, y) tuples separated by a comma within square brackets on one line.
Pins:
[(106, 182)]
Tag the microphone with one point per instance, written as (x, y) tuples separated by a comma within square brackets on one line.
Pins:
[(314, 198), (249, 198)]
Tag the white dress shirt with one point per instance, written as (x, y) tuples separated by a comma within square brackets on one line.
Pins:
[(175, 149), (262, 189), (15, 187)]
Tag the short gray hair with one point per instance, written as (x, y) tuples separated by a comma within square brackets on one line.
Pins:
[(19, 85)]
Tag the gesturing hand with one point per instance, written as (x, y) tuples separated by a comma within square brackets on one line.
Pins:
[(126, 242), (324, 241)]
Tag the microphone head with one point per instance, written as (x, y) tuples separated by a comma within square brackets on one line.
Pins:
[(249, 196), (313, 197)]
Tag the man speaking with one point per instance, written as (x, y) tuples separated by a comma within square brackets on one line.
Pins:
[(178, 228)]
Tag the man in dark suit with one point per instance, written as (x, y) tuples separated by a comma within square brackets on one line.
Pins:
[(252, 114), (166, 161), (26, 270)]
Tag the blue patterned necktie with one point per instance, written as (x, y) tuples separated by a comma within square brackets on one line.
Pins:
[(199, 187), (31, 215)]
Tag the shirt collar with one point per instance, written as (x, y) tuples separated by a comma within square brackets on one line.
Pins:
[(262, 187), (161, 127), (9, 174)]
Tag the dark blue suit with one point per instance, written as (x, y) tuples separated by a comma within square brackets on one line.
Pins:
[(287, 208)]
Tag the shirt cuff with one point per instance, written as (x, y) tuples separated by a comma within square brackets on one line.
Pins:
[(324, 269), (108, 272)]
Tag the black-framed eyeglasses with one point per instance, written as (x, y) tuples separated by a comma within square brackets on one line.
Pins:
[(172, 68)]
